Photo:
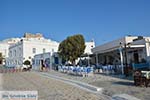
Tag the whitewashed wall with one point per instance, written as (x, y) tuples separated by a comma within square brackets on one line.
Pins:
[(89, 47), (23, 50), (4, 49)]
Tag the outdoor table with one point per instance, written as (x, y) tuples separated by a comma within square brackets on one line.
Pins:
[(146, 74)]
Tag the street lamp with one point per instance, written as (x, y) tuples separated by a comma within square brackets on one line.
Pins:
[(88, 59)]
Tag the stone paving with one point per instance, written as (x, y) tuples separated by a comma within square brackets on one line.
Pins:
[(51, 89), (48, 89), (112, 85)]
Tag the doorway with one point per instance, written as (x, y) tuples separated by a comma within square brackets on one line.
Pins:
[(136, 57)]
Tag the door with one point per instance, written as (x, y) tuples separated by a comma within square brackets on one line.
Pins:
[(136, 57)]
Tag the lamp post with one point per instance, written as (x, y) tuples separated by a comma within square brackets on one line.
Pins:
[(88, 59)]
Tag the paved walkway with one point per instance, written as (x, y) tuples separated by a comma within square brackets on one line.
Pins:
[(54, 85), (48, 88), (124, 97), (91, 88), (82, 85), (1, 80)]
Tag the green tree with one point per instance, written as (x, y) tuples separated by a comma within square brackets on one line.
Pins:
[(1, 58), (72, 47), (27, 62)]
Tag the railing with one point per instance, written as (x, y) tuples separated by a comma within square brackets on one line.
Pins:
[(83, 71), (141, 66), (108, 69), (10, 70)]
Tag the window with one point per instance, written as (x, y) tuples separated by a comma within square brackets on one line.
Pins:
[(44, 50), (14, 52), (34, 50), (52, 50), (33, 62), (10, 53), (20, 52), (16, 62)]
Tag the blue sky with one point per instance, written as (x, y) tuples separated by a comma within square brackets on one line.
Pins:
[(101, 20)]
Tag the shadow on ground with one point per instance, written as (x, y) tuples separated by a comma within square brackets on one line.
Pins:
[(119, 76), (124, 83)]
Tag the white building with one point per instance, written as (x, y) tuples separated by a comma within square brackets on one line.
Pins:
[(89, 46), (33, 45), (52, 58), (87, 52), (4, 48), (49, 59), (135, 49), (44, 58), (28, 47)]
